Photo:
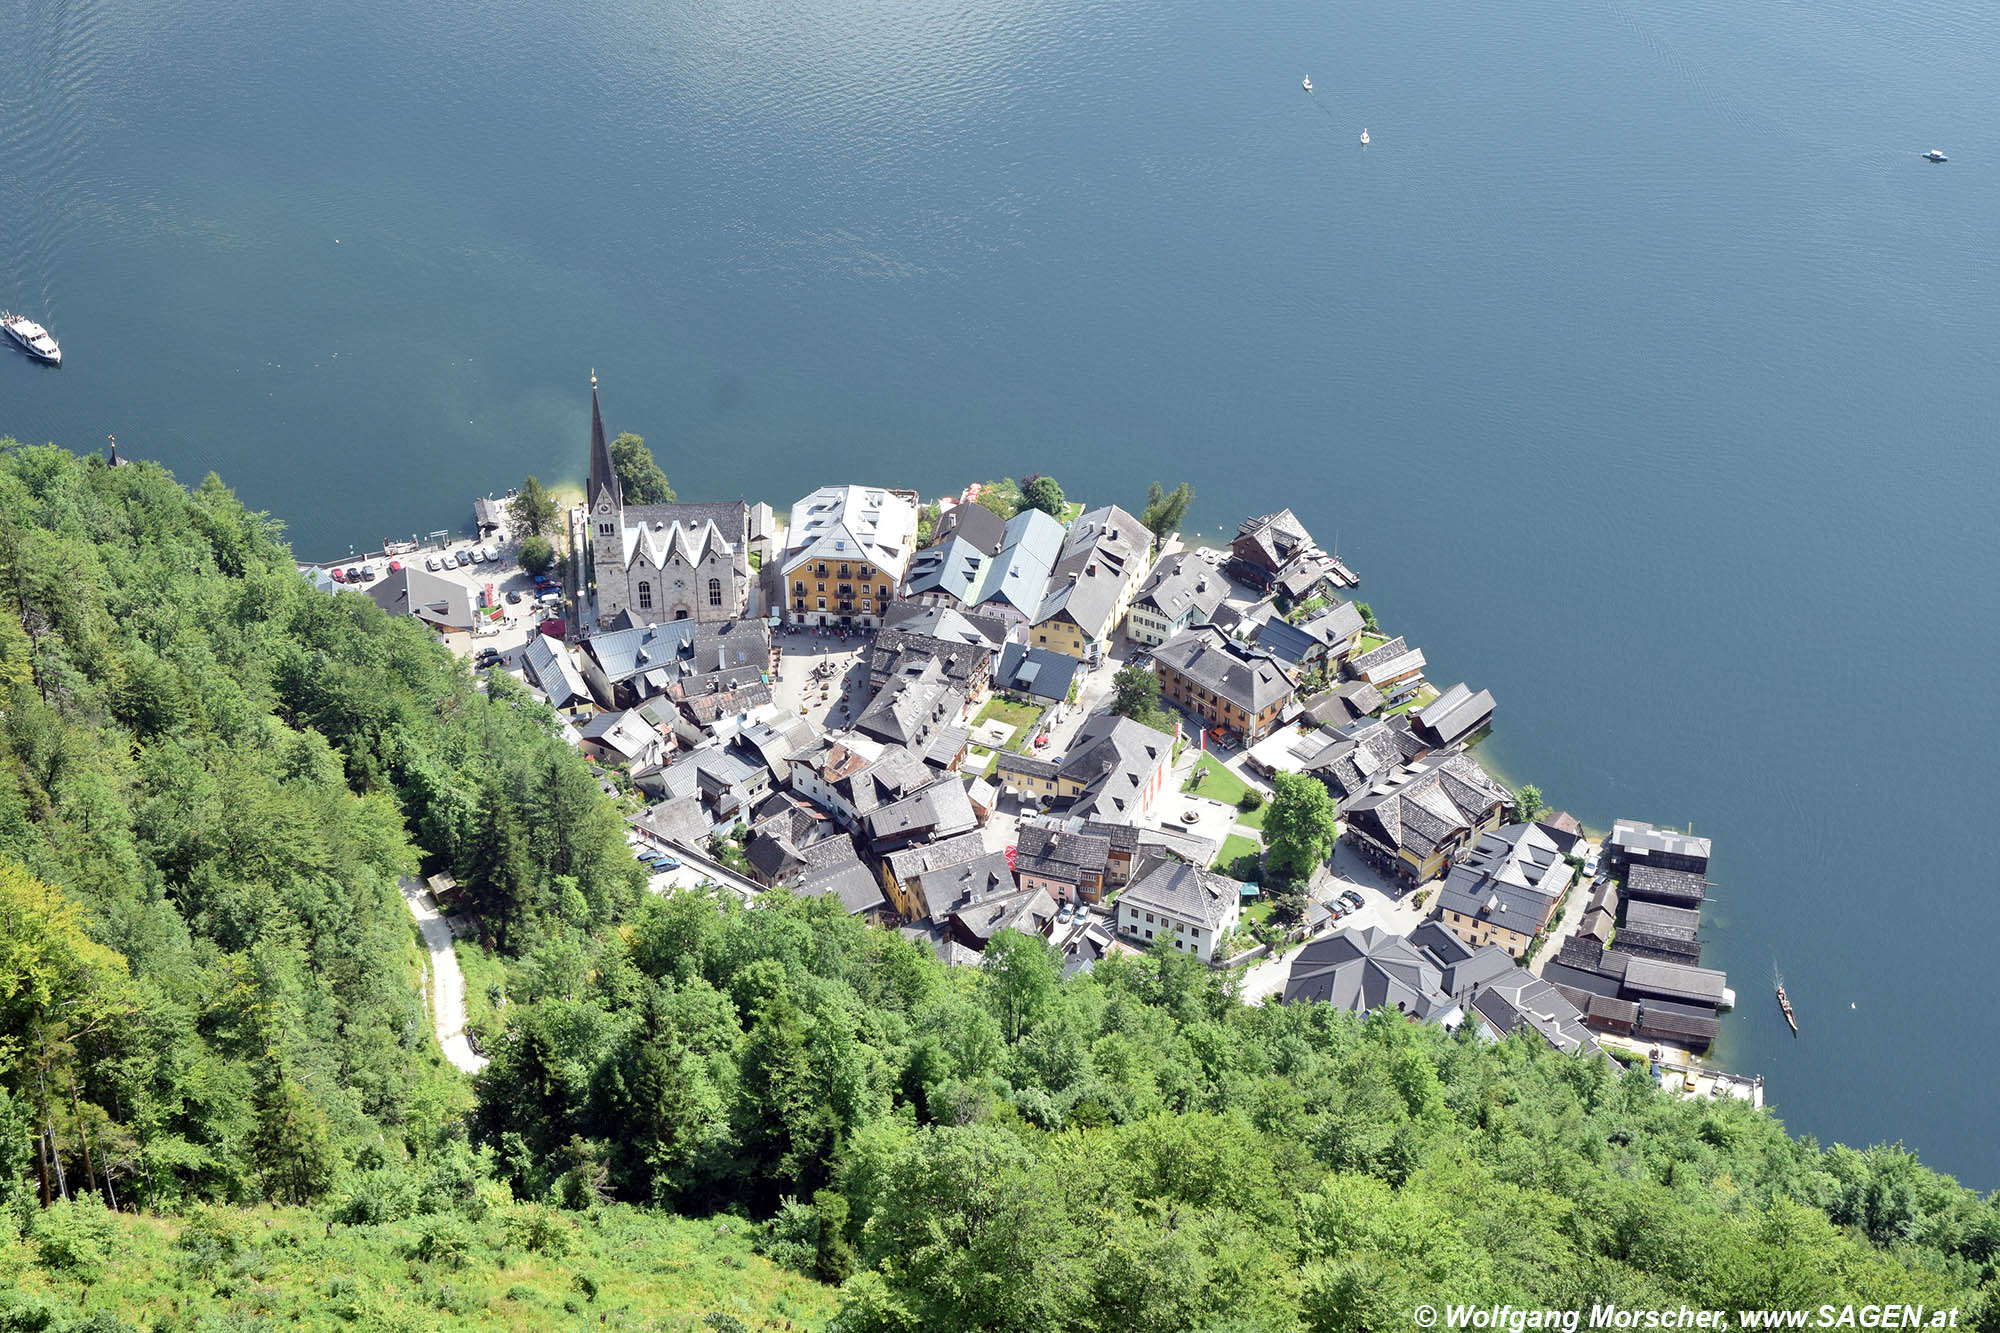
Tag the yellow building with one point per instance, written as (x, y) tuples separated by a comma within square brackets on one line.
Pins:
[(848, 547), (1104, 559)]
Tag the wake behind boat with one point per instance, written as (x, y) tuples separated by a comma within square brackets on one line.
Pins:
[(35, 340)]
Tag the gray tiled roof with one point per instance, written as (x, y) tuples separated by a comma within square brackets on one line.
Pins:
[(1673, 886), (677, 821), (1182, 584), (912, 704), (554, 673), (833, 868), (1636, 837), (952, 567), (939, 810), (1113, 757), (682, 647), (1036, 671), (1455, 714), (974, 524), (1251, 679), (1019, 575), (1361, 971), (1185, 893), (1423, 804), (1059, 854), (1366, 753), (1336, 624), (926, 857), (1286, 642)]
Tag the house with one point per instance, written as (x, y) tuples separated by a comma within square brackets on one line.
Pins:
[(1180, 591), (443, 604), (1635, 842), (1600, 915), (1014, 581), (1506, 889), (1434, 976), (1224, 684), (1659, 1001), (1184, 903), (916, 703), (851, 776), (1453, 716), (964, 645), (974, 524), (1345, 703), (1388, 666), (490, 515), (728, 786), (940, 810), (662, 562), (1072, 865), (991, 903), (946, 573), (1297, 651), (908, 872), (1337, 628), (1267, 546), (1672, 888), (626, 667), (850, 548), (781, 831), (1665, 934), (1083, 941), (623, 738), (773, 742), (680, 822), (1113, 771), (834, 870), (1035, 675), (1417, 818), (1102, 563), (546, 662)]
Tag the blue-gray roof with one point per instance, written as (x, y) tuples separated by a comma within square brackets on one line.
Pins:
[(1286, 642), (1036, 671)]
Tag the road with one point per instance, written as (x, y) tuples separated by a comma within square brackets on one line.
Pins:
[(447, 982)]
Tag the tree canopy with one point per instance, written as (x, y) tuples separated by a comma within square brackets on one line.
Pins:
[(1301, 825), (1045, 494), (1166, 509), (533, 509), (639, 477), (538, 555)]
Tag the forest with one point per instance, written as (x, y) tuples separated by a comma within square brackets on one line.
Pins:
[(222, 1107)]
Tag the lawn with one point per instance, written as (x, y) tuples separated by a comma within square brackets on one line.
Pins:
[(1234, 849), (1021, 717), (1254, 818), (1212, 780), (484, 973), (1368, 643), (1417, 700)]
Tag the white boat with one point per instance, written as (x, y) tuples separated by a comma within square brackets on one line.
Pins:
[(1935, 156), (1306, 83), (34, 339), (1364, 138)]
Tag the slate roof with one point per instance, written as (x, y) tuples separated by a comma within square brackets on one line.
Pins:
[(1276, 538), (1104, 549), (1361, 971), (1286, 642), (1658, 919), (1251, 679), (730, 518), (938, 811), (960, 646), (975, 525), (1113, 757), (1668, 886), (1182, 584), (420, 593), (983, 916), (1367, 752), (625, 734), (677, 821), (834, 869), (679, 648), (775, 741), (553, 672), (1381, 667), (921, 860), (964, 880), (913, 704), (952, 567), (945, 623), (1335, 624), (1673, 981), (1036, 671), (1426, 803), (1346, 702), (1058, 854), (1184, 893), (1511, 877), (1455, 714)]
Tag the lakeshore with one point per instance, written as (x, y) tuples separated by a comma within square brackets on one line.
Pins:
[(955, 660)]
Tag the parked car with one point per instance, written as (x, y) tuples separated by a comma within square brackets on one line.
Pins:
[(460, 558), (475, 555), (492, 553), (665, 862), (1352, 899), (514, 598), (354, 576), (368, 573), (430, 562), (340, 576)]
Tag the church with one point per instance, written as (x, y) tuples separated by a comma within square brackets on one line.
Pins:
[(662, 562)]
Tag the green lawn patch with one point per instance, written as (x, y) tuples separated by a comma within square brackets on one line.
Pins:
[(485, 982), (1212, 780), (1254, 818), (1417, 700), (1238, 850), (1369, 643)]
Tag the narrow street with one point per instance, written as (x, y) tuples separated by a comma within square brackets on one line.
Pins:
[(447, 983)]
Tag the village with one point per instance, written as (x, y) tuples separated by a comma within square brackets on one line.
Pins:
[(957, 718)]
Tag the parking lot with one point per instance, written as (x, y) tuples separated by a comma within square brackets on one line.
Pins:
[(492, 562)]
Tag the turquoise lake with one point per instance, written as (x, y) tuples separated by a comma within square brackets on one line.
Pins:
[(1639, 364)]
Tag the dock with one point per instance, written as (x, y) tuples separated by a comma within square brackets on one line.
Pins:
[(1341, 575)]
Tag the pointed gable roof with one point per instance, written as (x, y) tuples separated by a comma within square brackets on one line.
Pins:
[(603, 470)]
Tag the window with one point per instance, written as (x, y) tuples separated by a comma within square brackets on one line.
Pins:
[(843, 571), (866, 572), (819, 587), (645, 595), (882, 593), (799, 586), (822, 603), (715, 592)]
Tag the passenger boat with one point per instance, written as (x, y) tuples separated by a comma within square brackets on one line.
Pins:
[(33, 338)]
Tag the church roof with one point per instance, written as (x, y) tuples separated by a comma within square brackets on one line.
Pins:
[(603, 470)]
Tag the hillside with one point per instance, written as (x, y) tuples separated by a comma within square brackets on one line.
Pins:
[(210, 778)]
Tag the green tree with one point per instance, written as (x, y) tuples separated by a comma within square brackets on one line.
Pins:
[(1165, 509), (1135, 692), (291, 1145), (538, 555), (1528, 804), (1301, 826), (1368, 620), (1045, 494), (1003, 497), (533, 509), (638, 475), (1020, 975)]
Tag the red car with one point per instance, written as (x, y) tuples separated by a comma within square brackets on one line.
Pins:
[(340, 576)]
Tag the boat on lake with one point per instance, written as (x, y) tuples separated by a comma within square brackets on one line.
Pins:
[(1935, 156), (35, 340), (1364, 138), (1306, 83), (1785, 1002)]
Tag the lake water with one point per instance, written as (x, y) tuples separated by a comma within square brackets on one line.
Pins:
[(1640, 366)]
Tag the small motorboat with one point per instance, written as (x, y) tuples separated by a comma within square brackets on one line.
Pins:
[(1306, 83), (1364, 138), (1935, 156)]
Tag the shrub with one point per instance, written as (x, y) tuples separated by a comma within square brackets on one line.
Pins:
[(541, 1230), (443, 1241), (72, 1238), (1249, 800)]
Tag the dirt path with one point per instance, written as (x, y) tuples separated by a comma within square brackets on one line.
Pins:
[(447, 983)]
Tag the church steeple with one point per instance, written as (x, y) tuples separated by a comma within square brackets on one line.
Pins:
[(603, 470)]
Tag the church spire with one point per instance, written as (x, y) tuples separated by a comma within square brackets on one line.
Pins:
[(603, 470)]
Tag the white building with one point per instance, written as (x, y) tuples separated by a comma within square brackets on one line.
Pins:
[(1183, 903)]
